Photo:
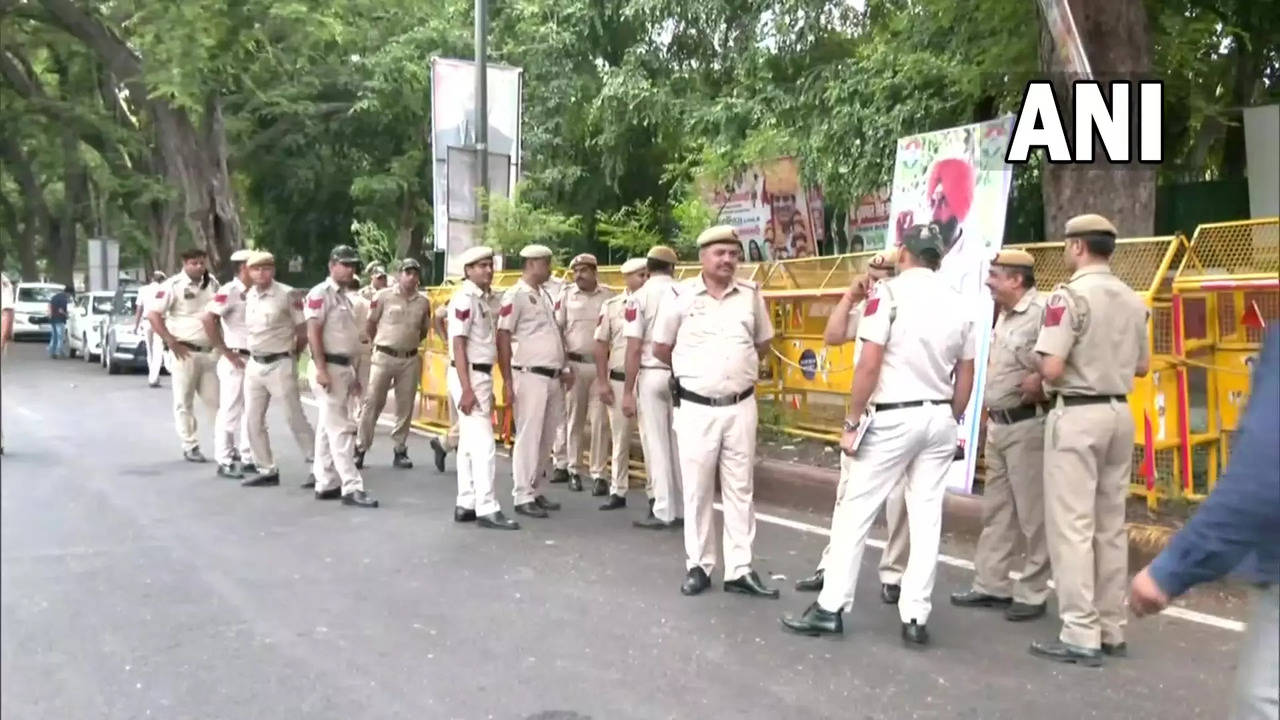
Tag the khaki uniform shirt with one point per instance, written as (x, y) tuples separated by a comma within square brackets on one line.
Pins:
[(1098, 325), (471, 316), (228, 304), (181, 301), (714, 341), (526, 313), (329, 304), (576, 314), (402, 321), (1013, 354), (641, 312), (926, 331), (610, 325), (360, 305), (271, 319)]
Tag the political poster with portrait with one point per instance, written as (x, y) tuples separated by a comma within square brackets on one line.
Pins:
[(957, 179), (867, 224), (777, 218)]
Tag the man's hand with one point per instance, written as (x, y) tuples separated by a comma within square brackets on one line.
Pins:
[(1030, 388), (508, 397), (566, 379), (355, 390), (629, 404), (1145, 596), (234, 358), (467, 402), (846, 441), (604, 392), (180, 351), (322, 378), (857, 291)]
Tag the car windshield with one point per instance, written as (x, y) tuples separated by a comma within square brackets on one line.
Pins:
[(128, 303), (36, 294), (102, 304)]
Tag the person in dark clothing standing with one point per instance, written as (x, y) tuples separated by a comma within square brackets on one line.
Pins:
[(58, 305)]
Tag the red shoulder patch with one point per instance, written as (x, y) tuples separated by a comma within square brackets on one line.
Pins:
[(506, 309), (1053, 315), (872, 306), (220, 298), (462, 315), (630, 314), (373, 304), (315, 303), (159, 294)]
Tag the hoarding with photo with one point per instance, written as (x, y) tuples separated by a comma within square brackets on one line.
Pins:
[(776, 217)]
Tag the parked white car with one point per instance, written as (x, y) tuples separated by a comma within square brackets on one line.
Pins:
[(86, 324), (124, 343), (31, 308)]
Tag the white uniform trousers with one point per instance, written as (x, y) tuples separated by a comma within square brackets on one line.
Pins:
[(720, 441), (262, 384), (658, 438), (893, 559), (155, 356), (908, 445), (620, 427), (560, 445), (230, 433), (335, 456), (196, 375), (475, 444), (539, 410)]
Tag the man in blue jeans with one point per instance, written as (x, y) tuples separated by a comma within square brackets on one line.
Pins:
[(1237, 528), (58, 322)]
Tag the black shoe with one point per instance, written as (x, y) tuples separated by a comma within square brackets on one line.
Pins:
[(497, 521), (975, 599), (814, 622), (750, 584), (913, 634), (813, 583), (561, 475), (310, 483), (1059, 651), (1019, 612), (575, 483), (194, 455), (531, 509), (330, 494), (464, 515), (401, 460), (440, 452), (230, 471), (359, 459), (695, 582), (599, 487), (546, 504), (614, 502), (652, 523), (650, 507), (359, 498), (268, 480), (677, 523), (1120, 649), (248, 468), (889, 594)]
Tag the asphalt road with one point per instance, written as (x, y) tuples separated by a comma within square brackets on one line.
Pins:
[(136, 585)]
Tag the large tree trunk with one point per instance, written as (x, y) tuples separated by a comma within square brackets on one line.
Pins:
[(38, 222), (63, 240), (1117, 40)]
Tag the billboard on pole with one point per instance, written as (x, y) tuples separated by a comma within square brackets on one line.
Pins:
[(454, 170)]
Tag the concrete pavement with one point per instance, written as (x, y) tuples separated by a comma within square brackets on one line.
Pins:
[(136, 585)]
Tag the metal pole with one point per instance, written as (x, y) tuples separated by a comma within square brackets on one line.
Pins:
[(482, 104)]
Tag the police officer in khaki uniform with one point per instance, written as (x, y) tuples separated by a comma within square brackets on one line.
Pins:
[(175, 315), (361, 304), (577, 312), (399, 320), (647, 391), (555, 287), (712, 333), (842, 327), (912, 381), (273, 336), (1013, 494), (472, 352), (441, 449), (224, 323), (378, 280), (535, 376), (1092, 343), (611, 363), (335, 340)]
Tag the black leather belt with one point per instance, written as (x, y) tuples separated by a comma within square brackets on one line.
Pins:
[(1017, 414), (192, 346), (486, 368), (269, 358), (580, 357), (240, 352), (1070, 400), (344, 360), (725, 401), (543, 371), (394, 352), (617, 375), (882, 407)]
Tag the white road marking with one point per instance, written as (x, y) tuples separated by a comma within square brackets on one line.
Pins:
[(957, 562)]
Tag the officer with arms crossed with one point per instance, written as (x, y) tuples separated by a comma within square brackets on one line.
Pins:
[(912, 381), (577, 311), (472, 352), (224, 323), (842, 327), (1013, 496), (273, 337), (1092, 343), (647, 389), (712, 333), (335, 340), (175, 315), (399, 319), (611, 363), (536, 390)]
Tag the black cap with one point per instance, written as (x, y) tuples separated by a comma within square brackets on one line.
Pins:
[(411, 264), (345, 254)]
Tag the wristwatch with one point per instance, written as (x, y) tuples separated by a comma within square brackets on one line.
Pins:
[(849, 425)]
